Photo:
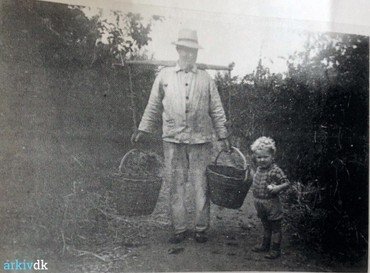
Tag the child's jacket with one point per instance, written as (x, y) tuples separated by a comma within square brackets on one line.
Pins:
[(264, 177)]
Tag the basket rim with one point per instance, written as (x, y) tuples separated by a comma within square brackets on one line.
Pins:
[(233, 148), (130, 152), (123, 176), (230, 185), (225, 176), (218, 165)]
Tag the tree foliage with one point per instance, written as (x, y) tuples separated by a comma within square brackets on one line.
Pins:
[(68, 105)]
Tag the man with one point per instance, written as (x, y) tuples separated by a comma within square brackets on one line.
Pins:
[(187, 101)]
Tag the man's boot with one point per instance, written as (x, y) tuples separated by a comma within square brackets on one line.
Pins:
[(200, 237), (264, 247), (275, 251), (177, 238)]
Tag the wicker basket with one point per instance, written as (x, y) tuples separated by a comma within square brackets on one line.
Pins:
[(134, 196), (227, 184)]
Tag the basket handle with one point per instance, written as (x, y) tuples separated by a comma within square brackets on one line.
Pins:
[(245, 165), (126, 156)]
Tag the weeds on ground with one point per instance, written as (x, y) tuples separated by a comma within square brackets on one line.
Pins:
[(311, 220)]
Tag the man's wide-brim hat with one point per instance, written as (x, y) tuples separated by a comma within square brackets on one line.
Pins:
[(187, 38)]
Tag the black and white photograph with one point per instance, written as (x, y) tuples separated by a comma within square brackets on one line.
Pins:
[(198, 136)]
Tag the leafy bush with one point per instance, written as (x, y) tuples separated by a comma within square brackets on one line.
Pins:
[(306, 220), (71, 110), (317, 113)]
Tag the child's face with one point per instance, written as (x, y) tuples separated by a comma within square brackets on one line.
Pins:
[(264, 158)]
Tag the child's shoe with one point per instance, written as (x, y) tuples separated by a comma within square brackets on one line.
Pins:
[(275, 252), (264, 247)]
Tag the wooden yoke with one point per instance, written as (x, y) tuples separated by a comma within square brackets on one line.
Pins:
[(173, 63)]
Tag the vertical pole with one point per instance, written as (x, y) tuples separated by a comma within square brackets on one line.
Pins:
[(133, 105), (229, 94)]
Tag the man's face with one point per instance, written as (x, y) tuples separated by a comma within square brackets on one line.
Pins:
[(187, 56)]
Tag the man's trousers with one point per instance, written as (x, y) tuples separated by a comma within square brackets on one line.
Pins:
[(183, 163)]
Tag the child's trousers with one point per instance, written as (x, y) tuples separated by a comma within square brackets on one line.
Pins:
[(270, 212), (268, 209)]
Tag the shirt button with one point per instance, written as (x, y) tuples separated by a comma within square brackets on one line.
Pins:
[(186, 111), (187, 97), (186, 84)]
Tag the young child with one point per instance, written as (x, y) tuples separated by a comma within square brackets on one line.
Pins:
[(268, 182)]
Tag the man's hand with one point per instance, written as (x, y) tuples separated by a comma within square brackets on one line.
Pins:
[(137, 136), (249, 174), (226, 145)]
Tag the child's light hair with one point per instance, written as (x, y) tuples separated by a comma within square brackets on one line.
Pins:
[(263, 143)]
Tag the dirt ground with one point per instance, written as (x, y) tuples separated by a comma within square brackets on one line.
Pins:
[(140, 244), (232, 235), (117, 243)]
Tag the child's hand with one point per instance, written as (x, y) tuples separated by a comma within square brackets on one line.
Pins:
[(274, 189)]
